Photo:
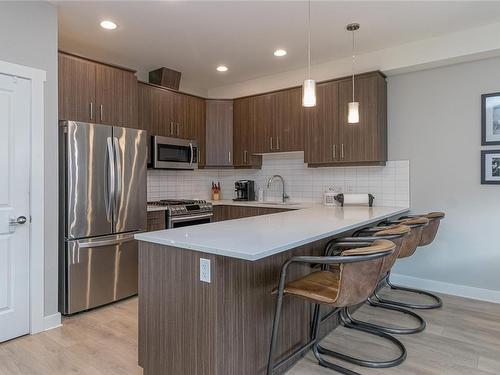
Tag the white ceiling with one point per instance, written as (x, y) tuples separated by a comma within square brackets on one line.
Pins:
[(195, 37)]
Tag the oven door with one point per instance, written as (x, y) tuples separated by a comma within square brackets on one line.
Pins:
[(186, 220), (174, 153)]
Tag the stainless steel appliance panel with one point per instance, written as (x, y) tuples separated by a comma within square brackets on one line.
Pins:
[(99, 271), (130, 205), (187, 220), (174, 153), (88, 155)]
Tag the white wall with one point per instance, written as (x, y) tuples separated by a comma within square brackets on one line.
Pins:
[(389, 184), (28, 36), (434, 121)]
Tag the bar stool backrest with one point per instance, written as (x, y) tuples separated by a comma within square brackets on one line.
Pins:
[(412, 241), (429, 232), (396, 234), (358, 280)]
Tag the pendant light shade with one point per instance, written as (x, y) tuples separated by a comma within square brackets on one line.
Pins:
[(309, 85), (353, 113), (353, 107), (309, 93)]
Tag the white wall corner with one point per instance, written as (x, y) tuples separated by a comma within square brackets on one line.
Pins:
[(465, 291)]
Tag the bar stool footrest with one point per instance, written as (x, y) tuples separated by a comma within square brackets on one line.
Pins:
[(438, 304), (390, 330)]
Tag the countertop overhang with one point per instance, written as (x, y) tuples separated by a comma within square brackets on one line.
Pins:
[(258, 237)]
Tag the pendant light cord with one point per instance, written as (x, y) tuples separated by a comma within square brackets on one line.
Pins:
[(309, 40), (353, 65)]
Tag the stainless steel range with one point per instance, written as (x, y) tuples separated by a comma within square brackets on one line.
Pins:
[(181, 213)]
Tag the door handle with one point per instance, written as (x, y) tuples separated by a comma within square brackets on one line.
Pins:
[(19, 221), (277, 143), (118, 175), (229, 157), (245, 156), (178, 126), (192, 154), (111, 179), (342, 151), (334, 151), (100, 112), (171, 128), (91, 111), (271, 141)]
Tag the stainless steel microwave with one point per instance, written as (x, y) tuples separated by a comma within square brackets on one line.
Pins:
[(173, 153)]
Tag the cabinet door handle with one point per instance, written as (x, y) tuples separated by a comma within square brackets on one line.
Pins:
[(178, 126), (342, 151), (277, 143), (271, 141), (229, 157), (245, 156), (91, 110), (171, 128), (334, 151), (100, 112)]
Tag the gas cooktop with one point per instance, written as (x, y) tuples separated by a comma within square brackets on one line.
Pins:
[(176, 202), (177, 207)]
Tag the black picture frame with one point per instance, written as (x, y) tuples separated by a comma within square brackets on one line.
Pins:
[(484, 142), (484, 181)]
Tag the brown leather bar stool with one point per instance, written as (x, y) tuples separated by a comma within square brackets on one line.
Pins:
[(400, 235), (351, 281), (424, 228)]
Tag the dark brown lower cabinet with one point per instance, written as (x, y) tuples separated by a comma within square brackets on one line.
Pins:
[(228, 212)]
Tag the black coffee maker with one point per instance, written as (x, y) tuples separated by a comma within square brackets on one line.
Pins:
[(245, 190)]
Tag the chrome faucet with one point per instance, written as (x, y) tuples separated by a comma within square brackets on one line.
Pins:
[(284, 195)]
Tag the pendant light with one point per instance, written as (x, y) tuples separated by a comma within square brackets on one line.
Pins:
[(353, 107), (309, 86)]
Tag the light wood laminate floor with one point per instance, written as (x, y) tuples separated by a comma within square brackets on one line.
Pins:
[(462, 338)]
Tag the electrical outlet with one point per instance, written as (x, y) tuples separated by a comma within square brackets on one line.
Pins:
[(205, 273)]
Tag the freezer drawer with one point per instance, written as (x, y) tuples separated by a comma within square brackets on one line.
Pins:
[(99, 271)]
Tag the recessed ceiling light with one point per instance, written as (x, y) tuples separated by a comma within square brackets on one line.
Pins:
[(108, 25), (279, 52), (222, 68)]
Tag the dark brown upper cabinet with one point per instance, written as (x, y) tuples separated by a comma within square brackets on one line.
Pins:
[(168, 113), (247, 133), (322, 143), (219, 131), (93, 92), (331, 140)]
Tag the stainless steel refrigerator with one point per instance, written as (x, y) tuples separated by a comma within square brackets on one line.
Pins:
[(102, 206)]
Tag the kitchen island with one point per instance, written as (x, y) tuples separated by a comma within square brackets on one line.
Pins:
[(188, 326)]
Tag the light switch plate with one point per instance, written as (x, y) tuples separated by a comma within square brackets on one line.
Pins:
[(205, 272)]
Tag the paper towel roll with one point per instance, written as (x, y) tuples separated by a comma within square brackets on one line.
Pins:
[(355, 199)]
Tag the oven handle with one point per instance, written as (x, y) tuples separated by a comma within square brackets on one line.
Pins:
[(188, 218), (192, 153)]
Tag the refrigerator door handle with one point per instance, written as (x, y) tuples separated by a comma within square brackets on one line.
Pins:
[(82, 244), (110, 178), (118, 175)]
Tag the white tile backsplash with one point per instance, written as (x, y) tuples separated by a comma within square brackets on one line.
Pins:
[(389, 184)]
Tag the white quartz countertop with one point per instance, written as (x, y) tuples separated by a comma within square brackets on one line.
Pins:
[(257, 237)]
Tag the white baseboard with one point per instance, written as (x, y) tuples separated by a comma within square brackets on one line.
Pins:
[(51, 321), (447, 288)]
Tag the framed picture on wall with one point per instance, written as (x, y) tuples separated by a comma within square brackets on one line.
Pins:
[(490, 119), (490, 167)]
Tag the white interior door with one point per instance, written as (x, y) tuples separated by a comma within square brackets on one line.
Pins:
[(15, 112)]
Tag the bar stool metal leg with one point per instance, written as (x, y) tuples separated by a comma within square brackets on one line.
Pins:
[(361, 362), (392, 330), (438, 302)]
